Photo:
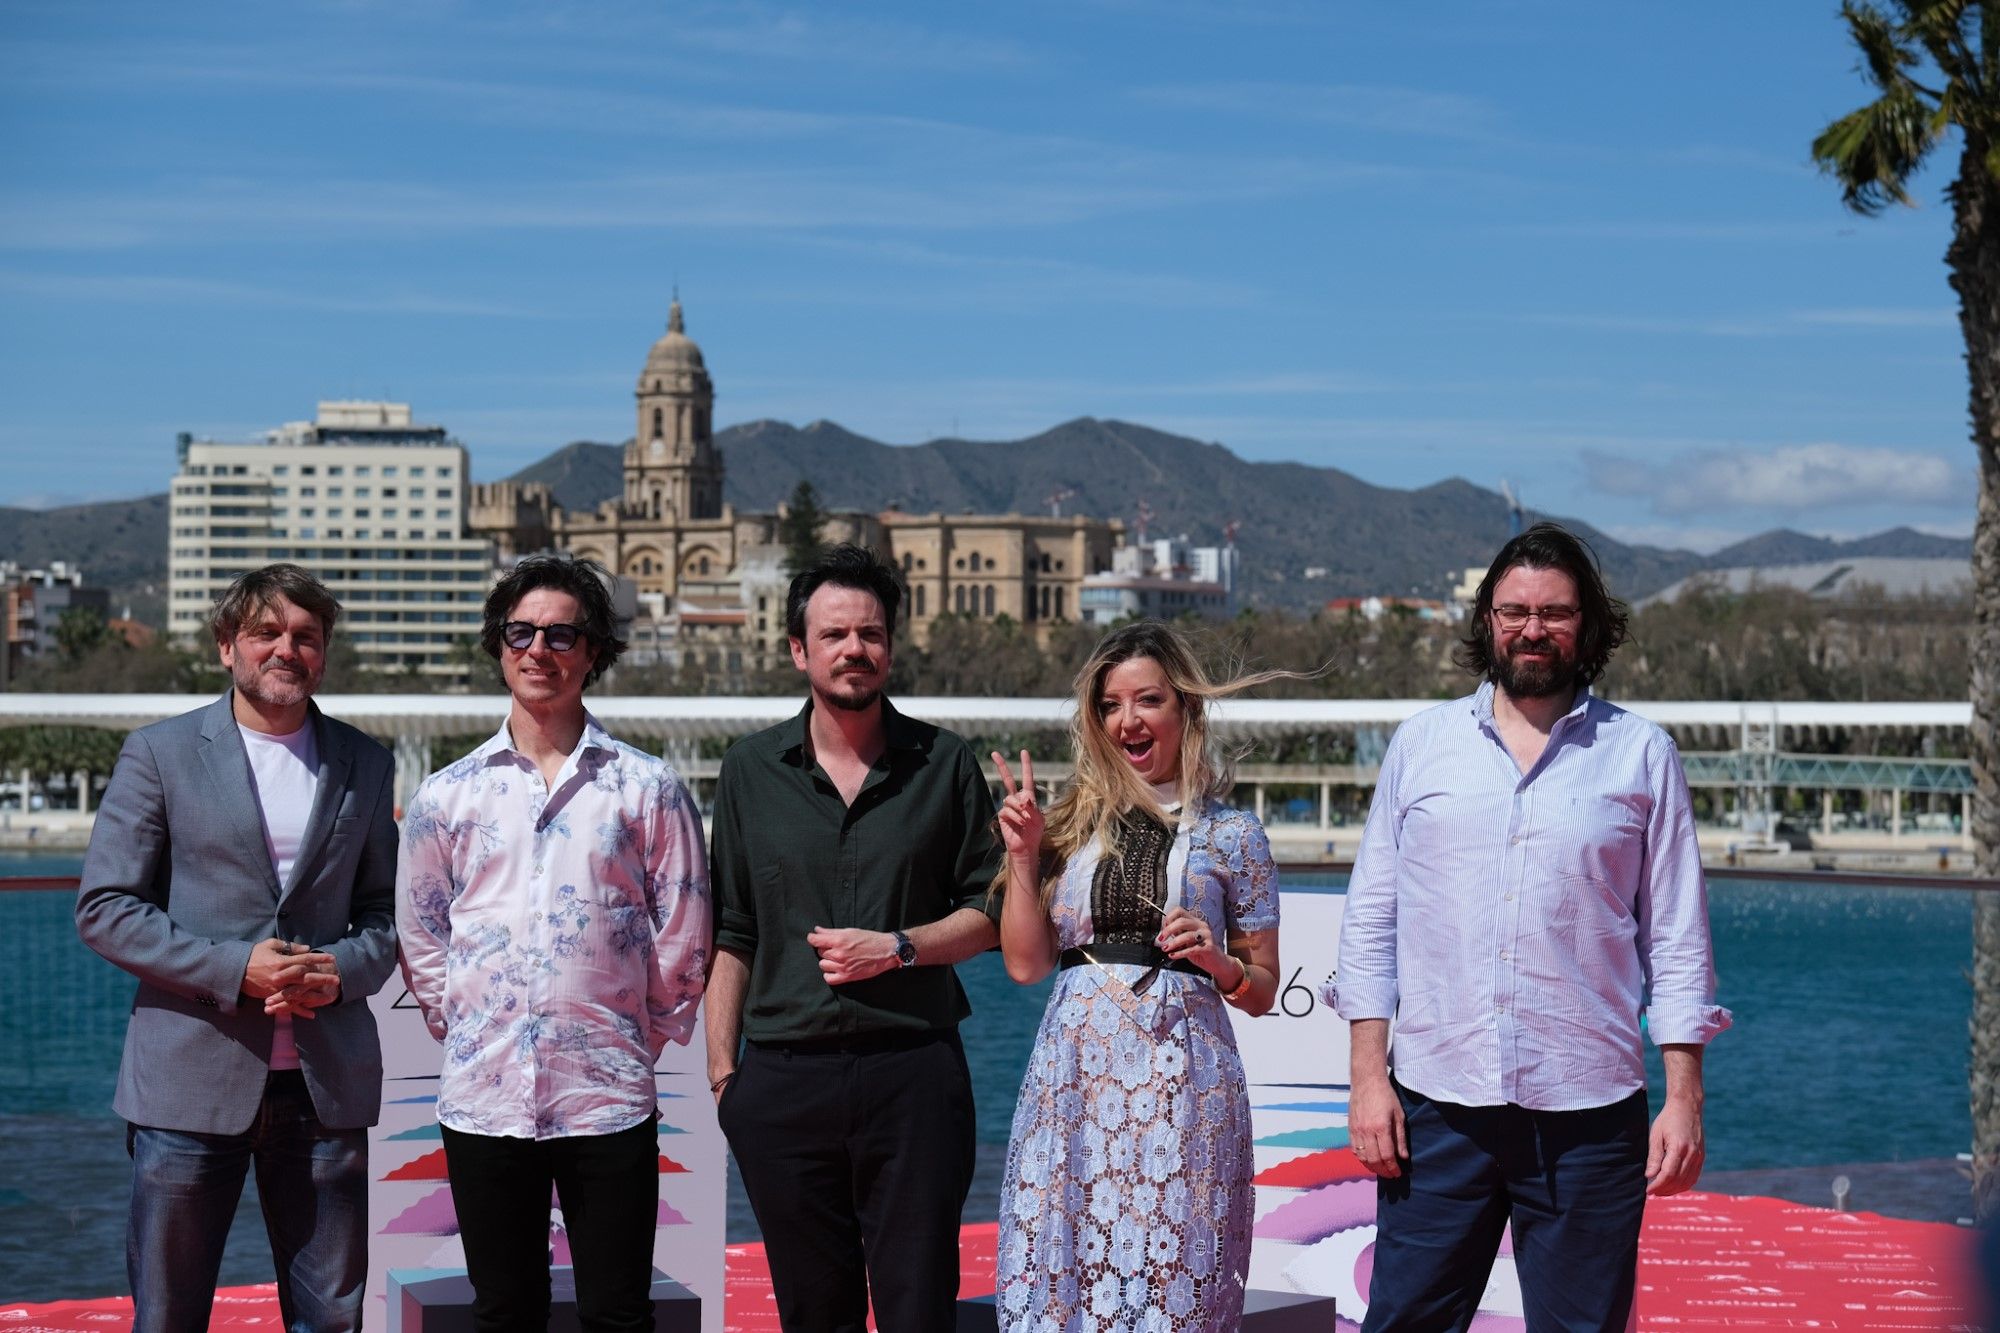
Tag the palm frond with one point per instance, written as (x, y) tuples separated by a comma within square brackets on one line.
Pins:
[(1988, 44), (1874, 150), (1942, 27), (1886, 57)]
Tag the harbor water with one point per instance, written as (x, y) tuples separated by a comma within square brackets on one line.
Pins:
[(1849, 1051)]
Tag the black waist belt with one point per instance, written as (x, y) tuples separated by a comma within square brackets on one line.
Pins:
[(1140, 955)]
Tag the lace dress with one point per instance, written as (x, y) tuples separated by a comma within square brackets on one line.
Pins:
[(1126, 1203)]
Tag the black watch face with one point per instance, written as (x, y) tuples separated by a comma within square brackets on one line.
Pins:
[(905, 950)]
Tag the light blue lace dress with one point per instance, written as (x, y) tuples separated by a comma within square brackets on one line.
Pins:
[(1127, 1202)]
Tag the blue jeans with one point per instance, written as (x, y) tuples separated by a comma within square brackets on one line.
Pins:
[(1573, 1185), (313, 1184)]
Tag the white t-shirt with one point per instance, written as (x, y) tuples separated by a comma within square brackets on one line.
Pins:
[(285, 772)]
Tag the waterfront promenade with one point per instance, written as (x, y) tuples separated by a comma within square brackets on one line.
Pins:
[(1851, 1004), (1772, 793)]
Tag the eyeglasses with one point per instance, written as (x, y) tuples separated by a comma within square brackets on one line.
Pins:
[(520, 635), (1512, 617)]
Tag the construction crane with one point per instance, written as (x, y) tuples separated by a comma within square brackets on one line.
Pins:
[(1055, 498), (1513, 508)]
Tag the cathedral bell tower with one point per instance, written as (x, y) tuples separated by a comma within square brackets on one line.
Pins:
[(672, 469)]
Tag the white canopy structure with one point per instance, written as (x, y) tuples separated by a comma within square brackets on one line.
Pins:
[(694, 718), (1751, 737)]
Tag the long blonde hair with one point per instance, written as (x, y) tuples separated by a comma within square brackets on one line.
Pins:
[(1106, 787)]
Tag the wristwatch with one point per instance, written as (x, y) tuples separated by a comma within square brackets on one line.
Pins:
[(906, 951)]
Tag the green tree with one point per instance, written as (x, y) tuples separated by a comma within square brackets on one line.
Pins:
[(79, 632), (114, 666), (800, 527), (1934, 66), (48, 752)]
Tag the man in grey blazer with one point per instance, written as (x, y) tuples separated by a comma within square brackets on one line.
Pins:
[(243, 868)]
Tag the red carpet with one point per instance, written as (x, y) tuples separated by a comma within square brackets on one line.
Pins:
[(1707, 1261)]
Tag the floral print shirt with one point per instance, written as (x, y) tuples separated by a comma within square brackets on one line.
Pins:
[(555, 938)]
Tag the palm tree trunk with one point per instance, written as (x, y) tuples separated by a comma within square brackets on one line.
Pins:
[(1974, 259)]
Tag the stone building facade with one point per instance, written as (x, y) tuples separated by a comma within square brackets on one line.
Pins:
[(696, 561)]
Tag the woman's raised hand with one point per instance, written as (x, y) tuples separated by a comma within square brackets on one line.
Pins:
[(1020, 817)]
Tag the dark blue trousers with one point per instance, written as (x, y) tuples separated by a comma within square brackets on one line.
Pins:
[(1573, 1183)]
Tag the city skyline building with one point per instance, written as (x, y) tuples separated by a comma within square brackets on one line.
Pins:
[(709, 574), (33, 603), (370, 500), (1162, 579)]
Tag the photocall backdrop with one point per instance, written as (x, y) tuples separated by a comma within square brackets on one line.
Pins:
[(409, 1199), (1315, 1205), (1315, 1228)]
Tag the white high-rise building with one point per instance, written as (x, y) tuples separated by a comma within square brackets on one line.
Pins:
[(1162, 579), (369, 501)]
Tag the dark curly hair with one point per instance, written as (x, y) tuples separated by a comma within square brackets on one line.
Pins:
[(1600, 622), (848, 566), (585, 580)]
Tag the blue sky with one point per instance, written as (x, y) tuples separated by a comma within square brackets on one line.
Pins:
[(1577, 246)]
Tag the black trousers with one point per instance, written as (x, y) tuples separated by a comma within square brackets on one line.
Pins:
[(609, 1185), (1572, 1183), (856, 1157)]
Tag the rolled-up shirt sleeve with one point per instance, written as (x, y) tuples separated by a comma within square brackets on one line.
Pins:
[(735, 919), (978, 858), (1672, 909), (424, 895), (677, 895), (1364, 982)]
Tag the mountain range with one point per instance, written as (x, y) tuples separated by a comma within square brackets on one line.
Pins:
[(1356, 537), (1294, 518), (119, 544)]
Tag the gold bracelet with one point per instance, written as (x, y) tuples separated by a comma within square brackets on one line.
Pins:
[(1243, 986)]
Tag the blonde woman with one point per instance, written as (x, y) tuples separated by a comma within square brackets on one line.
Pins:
[(1127, 1197)]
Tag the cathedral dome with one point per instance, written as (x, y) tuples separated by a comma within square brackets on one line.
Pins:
[(675, 351)]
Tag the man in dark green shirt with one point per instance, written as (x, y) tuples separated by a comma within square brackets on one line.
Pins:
[(851, 852)]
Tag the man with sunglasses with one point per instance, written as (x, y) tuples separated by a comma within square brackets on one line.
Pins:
[(552, 901), (1528, 887)]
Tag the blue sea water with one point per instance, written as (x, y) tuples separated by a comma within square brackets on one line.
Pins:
[(1850, 1045)]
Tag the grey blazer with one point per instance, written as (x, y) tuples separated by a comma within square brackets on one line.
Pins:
[(177, 887)]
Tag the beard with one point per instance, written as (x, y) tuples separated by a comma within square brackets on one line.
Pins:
[(850, 690), (855, 703), (273, 686), (1535, 675)]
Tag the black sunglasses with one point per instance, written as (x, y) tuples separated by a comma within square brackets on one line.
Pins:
[(520, 635)]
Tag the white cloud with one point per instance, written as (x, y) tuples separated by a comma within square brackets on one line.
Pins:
[(1786, 232), (1781, 324), (1703, 538), (1391, 110), (953, 182), (148, 288), (1874, 317), (827, 34), (1789, 478)]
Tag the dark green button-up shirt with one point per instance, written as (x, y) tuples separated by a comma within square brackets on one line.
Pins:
[(787, 854)]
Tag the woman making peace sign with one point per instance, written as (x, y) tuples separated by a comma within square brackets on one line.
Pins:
[(1126, 1202)]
